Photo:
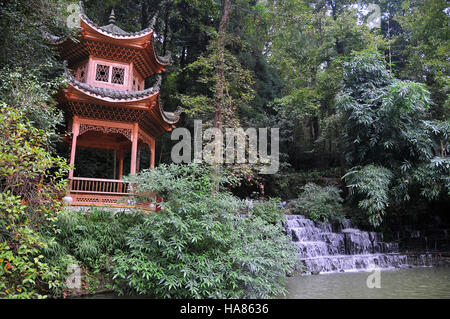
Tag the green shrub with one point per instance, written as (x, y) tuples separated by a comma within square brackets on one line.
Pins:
[(92, 235), (29, 170), (32, 182), (268, 210), (369, 187), (23, 271), (399, 157), (197, 246), (288, 184), (320, 203)]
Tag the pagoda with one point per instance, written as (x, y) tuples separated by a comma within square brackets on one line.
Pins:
[(106, 103)]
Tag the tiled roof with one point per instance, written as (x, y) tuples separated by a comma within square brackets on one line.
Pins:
[(119, 95), (114, 30)]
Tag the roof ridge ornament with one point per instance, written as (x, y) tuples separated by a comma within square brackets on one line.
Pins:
[(165, 59), (112, 29), (158, 82), (112, 17), (153, 21)]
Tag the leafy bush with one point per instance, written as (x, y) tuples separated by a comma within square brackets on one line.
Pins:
[(23, 271), (370, 186), (197, 246), (32, 94), (288, 184), (28, 169), (31, 186), (389, 140), (320, 203), (93, 236), (268, 210)]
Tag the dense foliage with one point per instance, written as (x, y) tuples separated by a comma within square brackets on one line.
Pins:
[(320, 203), (388, 131), (268, 210), (198, 246), (30, 197), (366, 104), (93, 237)]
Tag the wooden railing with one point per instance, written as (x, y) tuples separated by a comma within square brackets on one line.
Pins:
[(99, 186), (106, 192)]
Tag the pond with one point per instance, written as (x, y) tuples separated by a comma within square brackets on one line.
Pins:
[(429, 283), (424, 282)]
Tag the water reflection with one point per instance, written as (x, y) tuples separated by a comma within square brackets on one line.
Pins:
[(429, 283)]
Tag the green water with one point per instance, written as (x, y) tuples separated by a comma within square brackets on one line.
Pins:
[(429, 283)]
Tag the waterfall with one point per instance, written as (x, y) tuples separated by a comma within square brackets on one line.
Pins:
[(345, 249)]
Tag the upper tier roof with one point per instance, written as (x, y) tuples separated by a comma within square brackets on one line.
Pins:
[(110, 41), (114, 31), (146, 100), (116, 95)]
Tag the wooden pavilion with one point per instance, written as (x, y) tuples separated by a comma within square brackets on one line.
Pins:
[(107, 105)]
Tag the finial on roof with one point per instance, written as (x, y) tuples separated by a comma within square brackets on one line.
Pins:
[(112, 17)]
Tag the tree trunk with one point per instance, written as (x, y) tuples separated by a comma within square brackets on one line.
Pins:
[(220, 68), (144, 15), (221, 81)]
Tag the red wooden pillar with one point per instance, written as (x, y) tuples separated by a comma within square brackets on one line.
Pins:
[(134, 147), (75, 133), (152, 154)]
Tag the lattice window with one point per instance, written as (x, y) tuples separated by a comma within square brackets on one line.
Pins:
[(118, 75), (102, 73)]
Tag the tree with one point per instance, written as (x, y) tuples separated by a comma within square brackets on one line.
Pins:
[(397, 152), (308, 43), (426, 49)]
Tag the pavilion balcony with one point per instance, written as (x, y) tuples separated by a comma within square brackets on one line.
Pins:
[(100, 192)]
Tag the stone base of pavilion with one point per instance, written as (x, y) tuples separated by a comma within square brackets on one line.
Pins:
[(112, 209), (111, 204)]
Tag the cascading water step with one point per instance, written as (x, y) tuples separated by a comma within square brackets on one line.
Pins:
[(323, 250), (312, 248), (347, 263), (305, 233)]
